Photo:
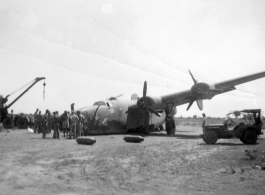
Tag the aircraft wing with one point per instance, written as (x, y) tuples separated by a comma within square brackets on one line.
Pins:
[(239, 80), (199, 92)]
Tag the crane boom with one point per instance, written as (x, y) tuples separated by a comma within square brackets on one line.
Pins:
[(36, 80)]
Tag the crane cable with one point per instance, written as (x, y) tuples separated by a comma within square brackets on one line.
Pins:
[(21, 87)]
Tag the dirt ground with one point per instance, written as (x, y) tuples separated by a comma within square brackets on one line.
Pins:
[(180, 164)]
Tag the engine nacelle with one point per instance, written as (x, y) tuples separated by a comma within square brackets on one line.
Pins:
[(153, 102), (200, 89)]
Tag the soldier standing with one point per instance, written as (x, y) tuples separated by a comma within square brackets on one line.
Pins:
[(73, 121), (49, 121), (203, 122), (65, 126), (44, 125), (12, 119), (79, 124), (56, 123), (37, 121)]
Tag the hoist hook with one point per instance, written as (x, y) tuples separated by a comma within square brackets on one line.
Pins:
[(44, 84)]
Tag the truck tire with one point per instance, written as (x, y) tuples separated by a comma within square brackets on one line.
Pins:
[(22, 122), (7, 123), (242, 139), (249, 137), (210, 137)]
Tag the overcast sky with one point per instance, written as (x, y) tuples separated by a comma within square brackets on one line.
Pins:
[(89, 50)]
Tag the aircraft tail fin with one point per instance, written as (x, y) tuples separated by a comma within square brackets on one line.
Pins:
[(134, 96)]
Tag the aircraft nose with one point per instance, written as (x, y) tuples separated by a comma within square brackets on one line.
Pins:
[(89, 111)]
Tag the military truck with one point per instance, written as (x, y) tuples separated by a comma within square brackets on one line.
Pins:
[(20, 121), (246, 126)]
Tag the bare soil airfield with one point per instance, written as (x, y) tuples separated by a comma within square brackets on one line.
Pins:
[(181, 164)]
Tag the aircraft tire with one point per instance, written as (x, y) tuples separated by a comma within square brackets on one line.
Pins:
[(85, 140), (168, 132), (173, 131), (170, 126), (134, 139)]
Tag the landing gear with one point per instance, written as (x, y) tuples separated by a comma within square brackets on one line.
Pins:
[(170, 125)]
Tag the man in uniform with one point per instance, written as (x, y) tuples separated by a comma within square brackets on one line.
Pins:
[(73, 121), (79, 124), (37, 121), (65, 120), (203, 122), (12, 117), (44, 125), (56, 123), (49, 121)]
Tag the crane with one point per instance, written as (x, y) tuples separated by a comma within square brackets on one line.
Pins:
[(22, 122)]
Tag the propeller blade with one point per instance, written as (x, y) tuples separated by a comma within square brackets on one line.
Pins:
[(200, 104), (144, 91), (119, 96), (153, 111), (191, 102), (194, 80)]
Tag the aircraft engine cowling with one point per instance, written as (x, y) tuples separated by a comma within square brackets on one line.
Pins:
[(200, 91), (203, 90), (153, 102)]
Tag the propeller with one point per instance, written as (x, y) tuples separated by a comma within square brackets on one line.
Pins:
[(199, 102), (143, 104), (197, 90)]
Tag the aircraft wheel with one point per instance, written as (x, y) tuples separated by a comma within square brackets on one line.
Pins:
[(210, 137), (173, 131), (170, 126), (168, 131), (250, 137)]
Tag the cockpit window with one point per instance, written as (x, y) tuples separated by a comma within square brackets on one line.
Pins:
[(99, 103)]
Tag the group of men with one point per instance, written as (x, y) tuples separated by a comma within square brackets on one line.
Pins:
[(70, 123)]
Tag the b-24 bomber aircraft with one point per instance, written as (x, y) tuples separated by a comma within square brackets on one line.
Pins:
[(149, 113)]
